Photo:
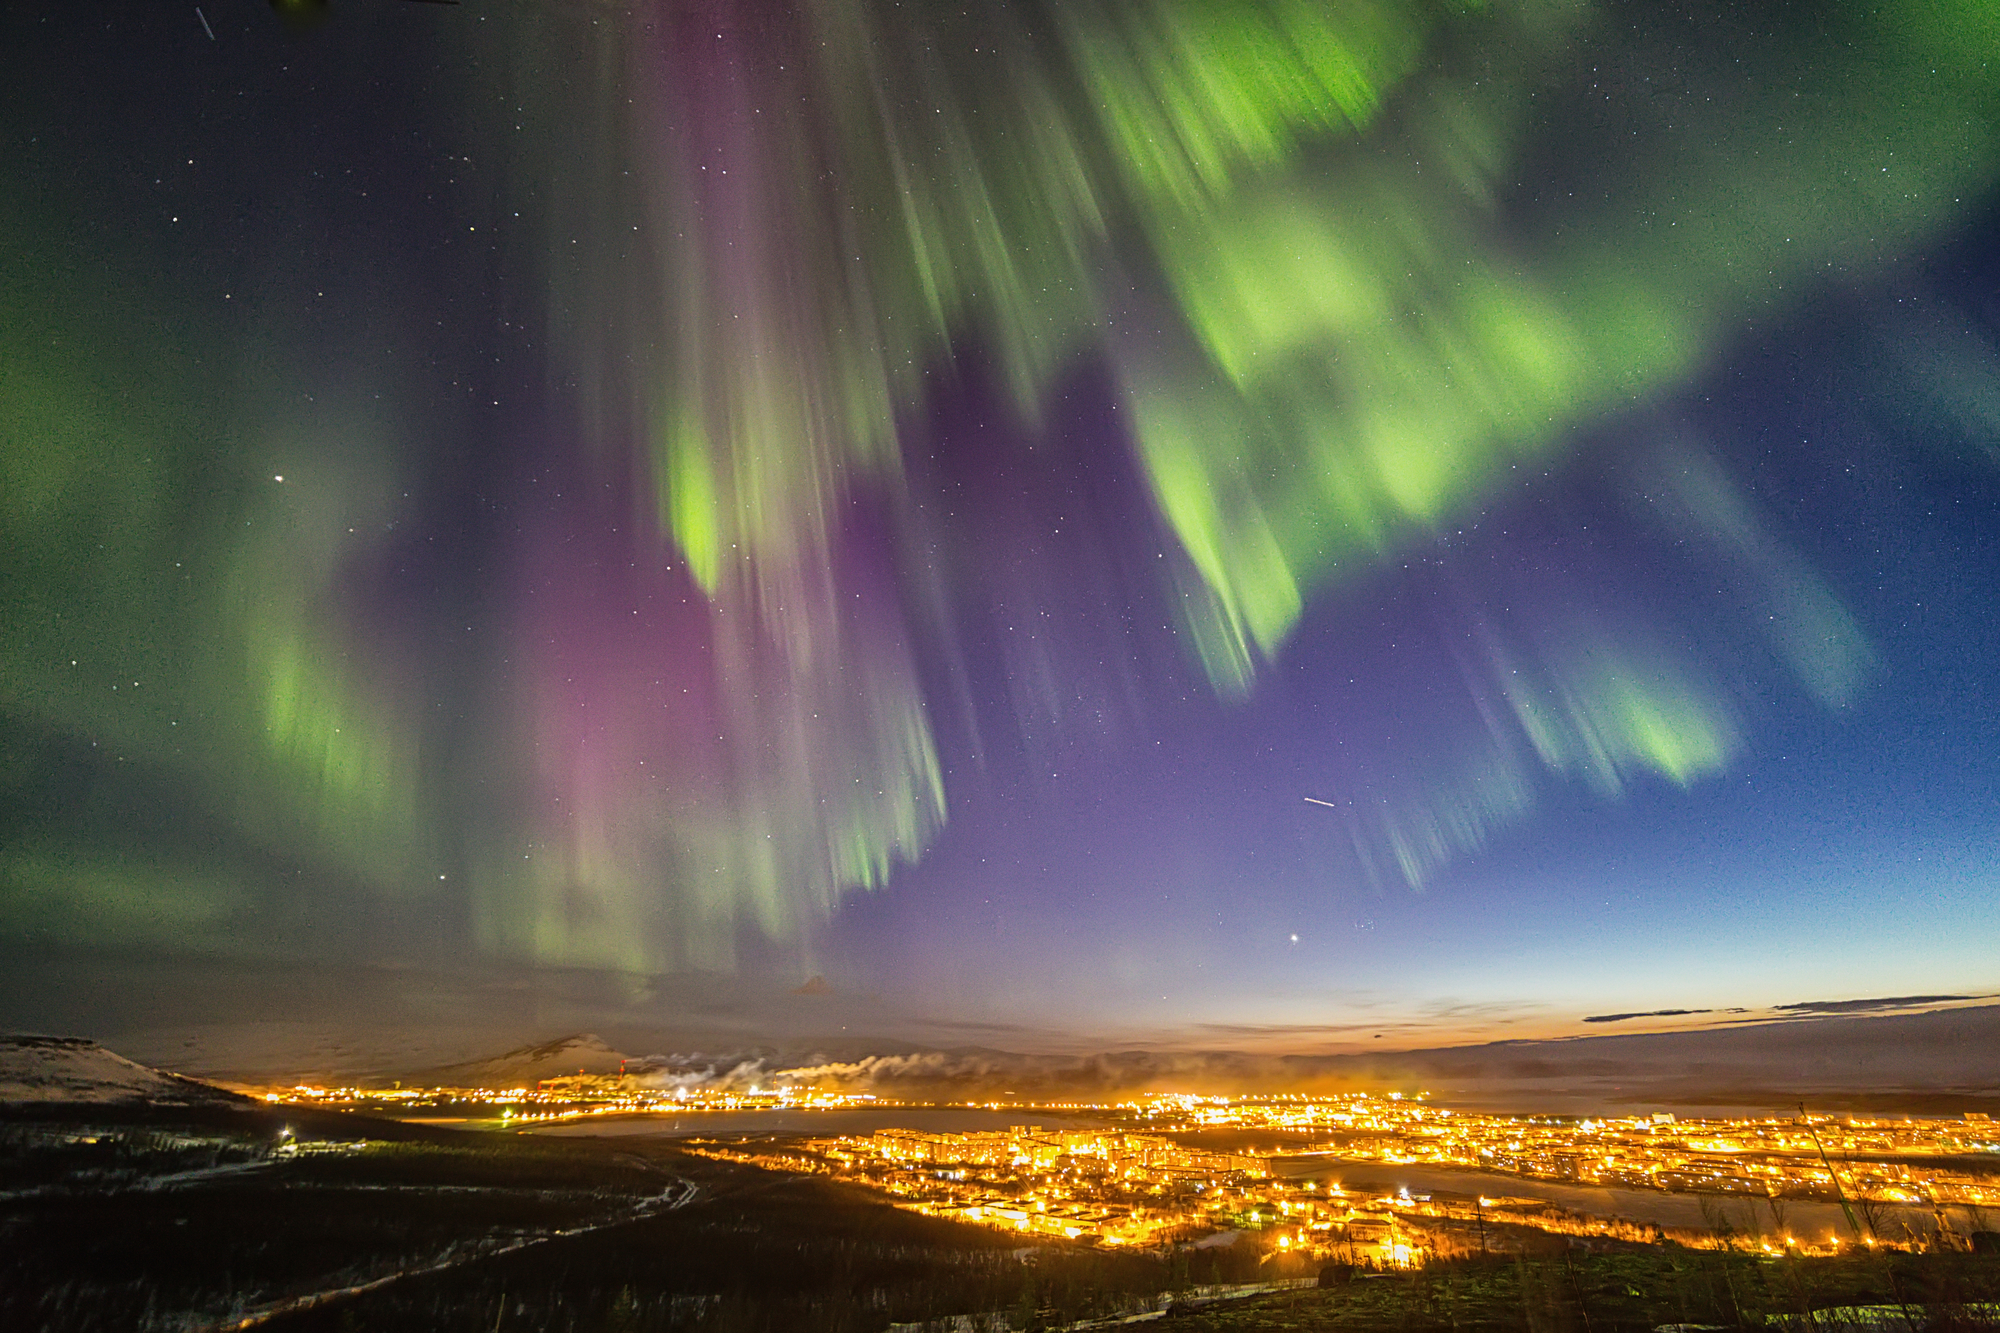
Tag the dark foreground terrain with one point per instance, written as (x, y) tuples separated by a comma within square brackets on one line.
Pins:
[(210, 1218), (187, 1219), (1636, 1290)]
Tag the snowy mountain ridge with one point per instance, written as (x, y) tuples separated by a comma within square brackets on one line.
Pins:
[(578, 1053), (76, 1069)]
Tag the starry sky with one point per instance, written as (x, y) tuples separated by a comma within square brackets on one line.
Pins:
[(1246, 523)]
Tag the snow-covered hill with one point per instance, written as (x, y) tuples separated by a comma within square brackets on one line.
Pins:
[(73, 1069), (582, 1052)]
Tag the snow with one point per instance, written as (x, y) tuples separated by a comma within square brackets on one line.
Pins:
[(584, 1052), (73, 1069)]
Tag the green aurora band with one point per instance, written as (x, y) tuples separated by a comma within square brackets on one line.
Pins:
[(1297, 232), (1281, 221), (172, 608)]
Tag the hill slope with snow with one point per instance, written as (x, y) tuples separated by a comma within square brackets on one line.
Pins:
[(524, 1066), (75, 1069)]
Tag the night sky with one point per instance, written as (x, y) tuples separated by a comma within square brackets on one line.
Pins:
[(1202, 522)]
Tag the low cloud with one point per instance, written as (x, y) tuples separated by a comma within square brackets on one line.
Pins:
[(1803, 1009), (1882, 1004), (972, 1073)]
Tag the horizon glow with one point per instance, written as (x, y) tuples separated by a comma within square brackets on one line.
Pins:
[(1391, 514)]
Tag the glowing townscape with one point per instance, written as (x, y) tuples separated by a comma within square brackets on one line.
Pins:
[(1149, 1172)]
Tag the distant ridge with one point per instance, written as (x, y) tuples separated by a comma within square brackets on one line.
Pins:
[(524, 1066), (76, 1070), (1945, 1061)]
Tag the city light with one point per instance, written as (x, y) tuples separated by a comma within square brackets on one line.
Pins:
[(1144, 1185)]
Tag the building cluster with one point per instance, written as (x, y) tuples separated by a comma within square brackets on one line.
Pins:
[(1158, 1172), (568, 1097), (1113, 1188), (1149, 1183), (1882, 1160)]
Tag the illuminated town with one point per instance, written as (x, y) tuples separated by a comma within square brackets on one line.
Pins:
[(1891, 1160), (557, 1099), (1148, 1179)]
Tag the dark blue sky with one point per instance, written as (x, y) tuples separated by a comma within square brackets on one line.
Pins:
[(609, 501)]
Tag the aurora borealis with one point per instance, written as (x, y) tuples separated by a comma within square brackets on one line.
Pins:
[(1177, 519)]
